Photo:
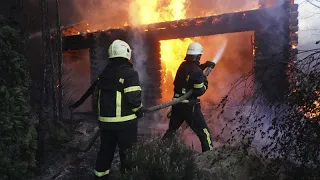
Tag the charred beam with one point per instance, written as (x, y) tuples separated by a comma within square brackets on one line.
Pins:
[(253, 20), (87, 40), (77, 42), (221, 24)]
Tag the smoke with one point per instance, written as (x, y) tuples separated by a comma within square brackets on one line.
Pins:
[(140, 57), (101, 14), (138, 43), (257, 124), (236, 62), (208, 7)]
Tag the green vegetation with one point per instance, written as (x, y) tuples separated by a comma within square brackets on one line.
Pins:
[(17, 145), (156, 160), (152, 160)]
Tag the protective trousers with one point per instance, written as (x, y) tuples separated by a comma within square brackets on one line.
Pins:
[(193, 116), (124, 138)]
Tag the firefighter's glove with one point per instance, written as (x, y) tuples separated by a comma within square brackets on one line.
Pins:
[(140, 113), (209, 64)]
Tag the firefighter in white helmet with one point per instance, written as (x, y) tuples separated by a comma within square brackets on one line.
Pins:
[(190, 76), (119, 107)]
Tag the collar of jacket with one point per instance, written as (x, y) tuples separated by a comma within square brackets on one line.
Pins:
[(192, 62), (119, 62)]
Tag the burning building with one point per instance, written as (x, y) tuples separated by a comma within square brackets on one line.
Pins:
[(261, 41)]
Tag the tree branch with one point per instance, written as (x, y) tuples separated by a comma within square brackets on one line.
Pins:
[(313, 4)]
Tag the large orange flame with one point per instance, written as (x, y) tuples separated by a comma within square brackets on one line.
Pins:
[(172, 51), (172, 54)]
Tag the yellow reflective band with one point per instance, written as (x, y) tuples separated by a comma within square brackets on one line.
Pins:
[(205, 130), (100, 174), (117, 119), (188, 77), (132, 88), (121, 80), (198, 85), (184, 101), (99, 101), (136, 109), (183, 91), (118, 104)]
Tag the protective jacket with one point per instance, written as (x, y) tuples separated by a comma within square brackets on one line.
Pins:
[(190, 75), (119, 90), (119, 104)]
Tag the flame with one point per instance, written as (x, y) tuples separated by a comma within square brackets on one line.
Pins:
[(153, 12), (172, 51), (253, 46), (172, 54), (70, 31), (314, 111), (294, 46)]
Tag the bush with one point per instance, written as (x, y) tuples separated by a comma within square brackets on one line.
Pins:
[(17, 145), (154, 160), (288, 129), (235, 163), (239, 163)]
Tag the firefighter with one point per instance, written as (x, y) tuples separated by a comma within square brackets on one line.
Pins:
[(119, 107), (190, 76)]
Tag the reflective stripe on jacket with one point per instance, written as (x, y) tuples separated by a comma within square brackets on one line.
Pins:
[(119, 92), (190, 76)]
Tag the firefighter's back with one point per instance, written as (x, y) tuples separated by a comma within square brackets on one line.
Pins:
[(114, 108), (187, 74)]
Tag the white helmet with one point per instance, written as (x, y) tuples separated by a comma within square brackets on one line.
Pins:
[(119, 48), (194, 49)]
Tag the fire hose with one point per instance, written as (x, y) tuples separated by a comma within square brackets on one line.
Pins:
[(188, 94), (148, 110), (160, 106), (178, 100)]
